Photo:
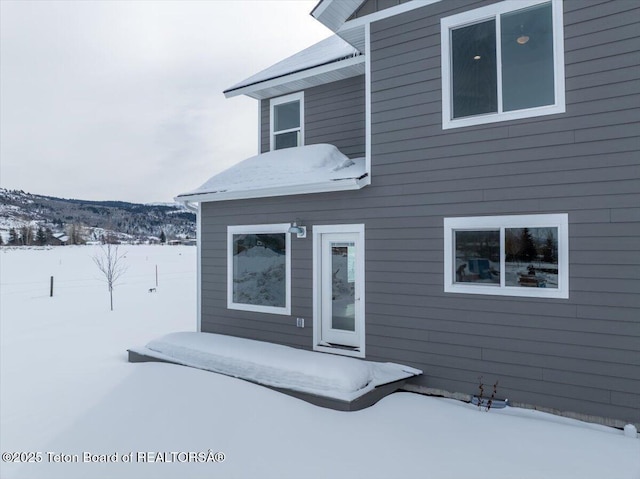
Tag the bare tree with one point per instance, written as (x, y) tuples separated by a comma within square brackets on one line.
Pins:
[(76, 233), (111, 263)]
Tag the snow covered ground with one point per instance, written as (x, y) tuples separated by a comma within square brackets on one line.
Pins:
[(68, 392)]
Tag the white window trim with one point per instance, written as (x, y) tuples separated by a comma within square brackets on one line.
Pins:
[(299, 96), (259, 229), (318, 230), (560, 221), (487, 13)]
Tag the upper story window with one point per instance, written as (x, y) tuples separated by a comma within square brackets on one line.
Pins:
[(502, 62), (287, 121)]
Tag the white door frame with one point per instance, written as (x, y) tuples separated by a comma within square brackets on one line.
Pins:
[(319, 344)]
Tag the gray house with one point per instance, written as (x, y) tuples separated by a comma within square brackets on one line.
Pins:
[(448, 184)]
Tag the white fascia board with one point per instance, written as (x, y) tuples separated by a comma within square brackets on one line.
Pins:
[(255, 89), (348, 184)]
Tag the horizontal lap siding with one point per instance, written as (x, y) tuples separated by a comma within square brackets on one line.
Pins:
[(581, 354), (334, 113), (264, 126), (266, 327)]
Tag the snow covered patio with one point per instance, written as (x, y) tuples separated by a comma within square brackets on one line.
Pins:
[(336, 382)]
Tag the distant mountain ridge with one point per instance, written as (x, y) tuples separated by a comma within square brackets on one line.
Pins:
[(87, 220)]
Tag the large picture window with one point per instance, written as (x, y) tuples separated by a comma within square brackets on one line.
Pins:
[(287, 121), (502, 62), (259, 268), (507, 255)]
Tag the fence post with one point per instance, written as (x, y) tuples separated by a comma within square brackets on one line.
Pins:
[(156, 276), (51, 288)]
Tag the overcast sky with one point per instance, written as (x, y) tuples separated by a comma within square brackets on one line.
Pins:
[(122, 100)]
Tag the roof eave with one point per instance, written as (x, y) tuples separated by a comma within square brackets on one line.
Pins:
[(332, 13), (346, 184), (353, 31), (318, 75)]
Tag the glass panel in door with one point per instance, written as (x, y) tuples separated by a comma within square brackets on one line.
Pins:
[(343, 301), (340, 291)]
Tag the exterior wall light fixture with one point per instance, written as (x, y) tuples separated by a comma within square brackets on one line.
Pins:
[(300, 231)]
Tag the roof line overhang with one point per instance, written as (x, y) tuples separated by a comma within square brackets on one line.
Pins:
[(295, 81), (333, 13), (346, 184), (353, 31)]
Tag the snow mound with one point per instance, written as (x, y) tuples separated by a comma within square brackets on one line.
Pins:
[(265, 363), (290, 167)]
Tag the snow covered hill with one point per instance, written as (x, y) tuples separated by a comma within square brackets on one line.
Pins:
[(83, 220)]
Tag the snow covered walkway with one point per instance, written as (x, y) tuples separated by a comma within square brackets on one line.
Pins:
[(319, 374)]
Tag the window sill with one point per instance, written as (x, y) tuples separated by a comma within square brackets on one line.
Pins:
[(508, 291), (499, 117), (260, 309)]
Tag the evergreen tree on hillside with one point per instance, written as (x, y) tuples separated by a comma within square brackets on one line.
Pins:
[(41, 236), (1, 240), (163, 237), (13, 237)]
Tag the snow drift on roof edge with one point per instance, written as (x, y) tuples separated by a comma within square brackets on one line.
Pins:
[(329, 50), (302, 165)]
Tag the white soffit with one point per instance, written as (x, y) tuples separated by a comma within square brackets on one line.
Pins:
[(348, 68), (328, 60), (333, 13), (353, 34), (335, 58)]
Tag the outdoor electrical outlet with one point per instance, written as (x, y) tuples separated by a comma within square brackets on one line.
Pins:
[(300, 322)]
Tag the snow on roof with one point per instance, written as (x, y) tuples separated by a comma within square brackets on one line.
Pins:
[(276, 365), (326, 51), (300, 170)]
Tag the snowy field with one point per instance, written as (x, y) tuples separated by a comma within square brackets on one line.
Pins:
[(68, 392)]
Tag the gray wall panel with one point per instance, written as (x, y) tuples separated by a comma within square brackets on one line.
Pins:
[(334, 113), (581, 354), (264, 126)]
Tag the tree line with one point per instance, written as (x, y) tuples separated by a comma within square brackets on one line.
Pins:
[(29, 235)]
